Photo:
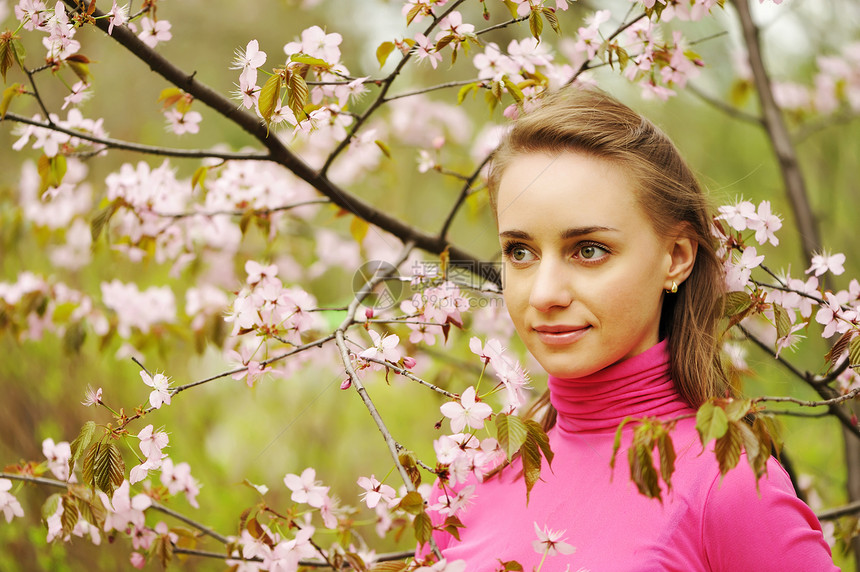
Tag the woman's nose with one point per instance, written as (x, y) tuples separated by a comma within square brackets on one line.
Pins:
[(550, 286)]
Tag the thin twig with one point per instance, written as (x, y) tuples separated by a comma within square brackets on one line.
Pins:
[(834, 513), (406, 373), (258, 212), (721, 105), (138, 147), (464, 192)]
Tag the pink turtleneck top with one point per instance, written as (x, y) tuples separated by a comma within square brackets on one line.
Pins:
[(703, 523)]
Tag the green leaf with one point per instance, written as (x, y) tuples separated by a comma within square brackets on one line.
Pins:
[(839, 348), (413, 12), (535, 24), (49, 507), (74, 337), (297, 95), (512, 8), (728, 448), (539, 436), (781, 321), (410, 464), (642, 470), (270, 95), (389, 566), (101, 219), (511, 433), (7, 57), (81, 442), (711, 422), (769, 431), (515, 91), (736, 303), (530, 454), (736, 409), (854, 351), (617, 443), (464, 91), (162, 549), (80, 65), (309, 60), (70, 515), (358, 228), (512, 566), (423, 527), (9, 94), (103, 467), (199, 178), (383, 51), (386, 150), (451, 526), (550, 16), (412, 503), (666, 449), (51, 170)]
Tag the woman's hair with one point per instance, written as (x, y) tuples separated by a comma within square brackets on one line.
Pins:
[(592, 122)]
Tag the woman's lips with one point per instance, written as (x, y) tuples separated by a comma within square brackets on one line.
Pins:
[(560, 335)]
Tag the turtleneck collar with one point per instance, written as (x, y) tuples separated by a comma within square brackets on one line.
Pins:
[(636, 387)]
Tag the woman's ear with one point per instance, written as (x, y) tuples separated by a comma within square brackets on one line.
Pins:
[(682, 251)]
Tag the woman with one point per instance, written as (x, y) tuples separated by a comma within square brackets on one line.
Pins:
[(613, 284)]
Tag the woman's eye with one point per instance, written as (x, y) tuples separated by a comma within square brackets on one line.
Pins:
[(592, 252), (517, 253)]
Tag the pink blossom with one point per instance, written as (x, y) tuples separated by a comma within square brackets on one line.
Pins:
[(9, 505), (833, 317), (249, 58), (824, 262), (124, 510), (137, 560), (286, 554), (177, 478), (424, 48), (154, 32), (765, 224), (374, 491), (31, 13), (306, 489), (468, 411), (58, 456), (160, 393), (181, 123), (316, 43), (453, 24), (92, 397), (739, 216), (738, 271), (382, 348), (152, 442), (550, 542), (117, 16), (589, 36), (79, 94), (449, 505)]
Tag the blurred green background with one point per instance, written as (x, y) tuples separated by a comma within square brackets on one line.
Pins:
[(228, 432)]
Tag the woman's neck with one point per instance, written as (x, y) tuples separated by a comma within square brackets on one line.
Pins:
[(637, 387)]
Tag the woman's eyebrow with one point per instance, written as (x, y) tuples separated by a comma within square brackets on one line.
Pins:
[(567, 234)]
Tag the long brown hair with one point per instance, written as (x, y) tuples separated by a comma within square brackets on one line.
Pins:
[(592, 122)]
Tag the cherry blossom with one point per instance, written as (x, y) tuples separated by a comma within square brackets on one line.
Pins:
[(468, 411), (550, 542), (181, 123), (374, 492), (316, 43), (92, 397), (117, 16), (177, 478), (739, 268), (154, 32), (248, 61), (306, 489), (833, 316), (826, 262), (383, 348), (425, 49), (450, 504), (444, 566), (160, 393), (123, 509), (9, 505), (58, 455)]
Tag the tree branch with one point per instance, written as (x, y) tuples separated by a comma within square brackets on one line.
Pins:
[(721, 105), (779, 136), (279, 153), (824, 391), (148, 149)]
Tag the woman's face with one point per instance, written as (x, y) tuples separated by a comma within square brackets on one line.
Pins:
[(584, 270)]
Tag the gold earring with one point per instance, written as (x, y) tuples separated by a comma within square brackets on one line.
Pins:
[(674, 289)]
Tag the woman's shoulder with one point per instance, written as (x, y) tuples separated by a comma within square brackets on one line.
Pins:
[(760, 522)]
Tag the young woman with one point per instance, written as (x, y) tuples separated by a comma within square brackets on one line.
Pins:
[(613, 284)]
